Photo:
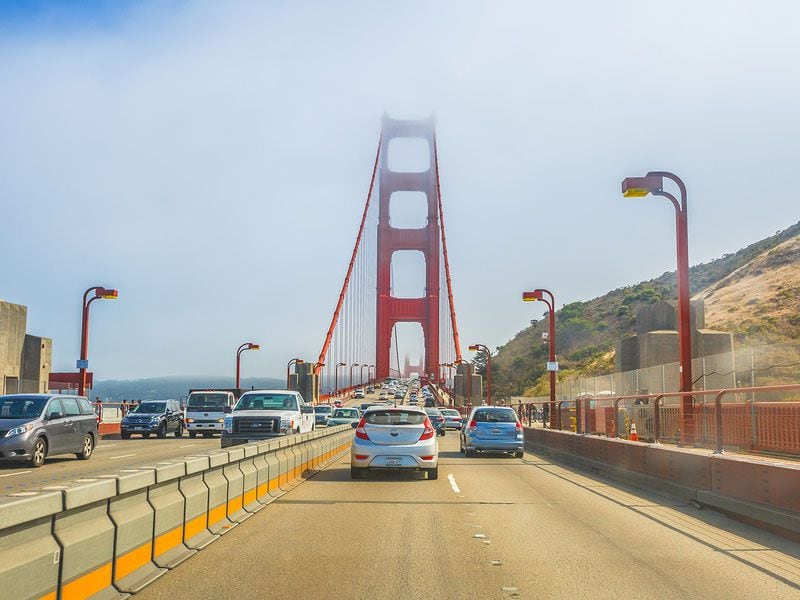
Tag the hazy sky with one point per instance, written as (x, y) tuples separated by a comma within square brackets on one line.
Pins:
[(210, 159)]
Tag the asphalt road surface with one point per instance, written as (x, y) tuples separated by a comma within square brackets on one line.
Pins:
[(110, 456), (489, 527)]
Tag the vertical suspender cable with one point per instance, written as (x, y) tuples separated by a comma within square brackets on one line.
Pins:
[(337, 310)]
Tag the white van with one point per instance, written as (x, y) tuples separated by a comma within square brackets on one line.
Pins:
[(205, 411)]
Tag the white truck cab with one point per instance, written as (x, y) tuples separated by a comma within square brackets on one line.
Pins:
[(263, 414), (205, 411)]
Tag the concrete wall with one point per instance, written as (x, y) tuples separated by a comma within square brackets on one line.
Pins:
[(37, 358), (13, 320)]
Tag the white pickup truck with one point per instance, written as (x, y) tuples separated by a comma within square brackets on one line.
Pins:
[(263, 414)]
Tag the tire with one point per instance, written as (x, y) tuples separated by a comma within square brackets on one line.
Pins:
[(518, 454), (207, 435), (125, 435), (433, 473), (357, 472), (162, 431), (192, 435), (145, 435), (470, 453), (39, 452), (179, 431), (88, 448)]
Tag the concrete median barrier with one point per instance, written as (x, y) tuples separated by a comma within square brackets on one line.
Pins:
[(110, 536), (133, 518), (30, 556), (196, 534), (217, 484), (169, 505), (233, 474), (250, 480), (85, 533)]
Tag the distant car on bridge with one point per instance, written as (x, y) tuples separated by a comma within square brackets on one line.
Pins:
[(492, 429)]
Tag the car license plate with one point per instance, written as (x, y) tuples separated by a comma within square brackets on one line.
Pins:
[(394, 461), (495, 431)]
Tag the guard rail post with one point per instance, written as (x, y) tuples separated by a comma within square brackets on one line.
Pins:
[(235, 477), (250, 479), (170, 507), (218, 522), (196, 495)]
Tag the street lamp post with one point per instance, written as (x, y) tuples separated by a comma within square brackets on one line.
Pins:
[(361, 373), (242, 348), (371, 373), (482, 348), (83, 364), (353, 366), (539, 296), (294, 361), (336, 377), (653, 183)]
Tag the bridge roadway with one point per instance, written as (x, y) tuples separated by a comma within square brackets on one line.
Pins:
[(489, 527)]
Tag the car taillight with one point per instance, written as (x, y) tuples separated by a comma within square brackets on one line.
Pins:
[(519, 427), (473, 425), (429, 431), (361, 433)]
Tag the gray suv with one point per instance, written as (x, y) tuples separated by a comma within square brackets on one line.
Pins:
[(35, 426)]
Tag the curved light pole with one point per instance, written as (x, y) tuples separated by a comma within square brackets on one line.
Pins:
[(316, 368), (336, 377), (552, 366), (653, 183), (100, 293), (294, 361), (482, 348), (361, 373), (242, 348)]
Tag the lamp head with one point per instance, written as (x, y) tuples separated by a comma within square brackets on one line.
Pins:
[(533, 296), (106, 294), (253, 347), (638, 187)]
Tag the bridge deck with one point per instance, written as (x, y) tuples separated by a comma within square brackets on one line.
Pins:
[(555, 533)]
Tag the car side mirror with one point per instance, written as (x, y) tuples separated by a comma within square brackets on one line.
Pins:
[(53, 416), (354, 424), (227, 410)]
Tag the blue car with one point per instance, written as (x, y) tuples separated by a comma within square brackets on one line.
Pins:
[(492, 429)]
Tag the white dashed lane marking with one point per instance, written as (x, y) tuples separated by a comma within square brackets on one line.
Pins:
[(453, 483), (122, 456), (16, 473)]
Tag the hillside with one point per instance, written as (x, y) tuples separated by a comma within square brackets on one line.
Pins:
[(159, 388), (753, 292)]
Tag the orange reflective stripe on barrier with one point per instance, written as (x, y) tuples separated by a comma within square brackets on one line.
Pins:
[(167, 541), (130, 561), (87, 585)]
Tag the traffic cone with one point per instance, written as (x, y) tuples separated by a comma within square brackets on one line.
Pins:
[(634, 437)]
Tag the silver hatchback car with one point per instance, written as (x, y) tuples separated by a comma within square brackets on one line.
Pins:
[(35, 426), (394, 438)]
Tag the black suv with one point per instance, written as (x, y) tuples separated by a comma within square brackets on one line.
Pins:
[(153, 416)]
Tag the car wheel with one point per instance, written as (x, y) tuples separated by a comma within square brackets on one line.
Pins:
[(433, 473), (145, 435), (125, 435), (208, 435), (357, 472), (179, 431), (469, 452), (193, 434), (518, 454), (162, 431), (39, 452), (88, 448)]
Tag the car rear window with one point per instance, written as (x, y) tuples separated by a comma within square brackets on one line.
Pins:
[(395, 417), (495, 416)]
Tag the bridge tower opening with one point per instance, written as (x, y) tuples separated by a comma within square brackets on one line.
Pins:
[(390, 309)]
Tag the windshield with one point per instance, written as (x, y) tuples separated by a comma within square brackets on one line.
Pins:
[(322, 409), (21, 407), (451, 413), (395, 417), (267, 402), (151, 407), (207, 401), (432, 411), (495, 416), (346, 413)]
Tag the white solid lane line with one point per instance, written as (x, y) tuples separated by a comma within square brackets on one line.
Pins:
[(187, 445), (453, 483), (123, 456), (16, 473)]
